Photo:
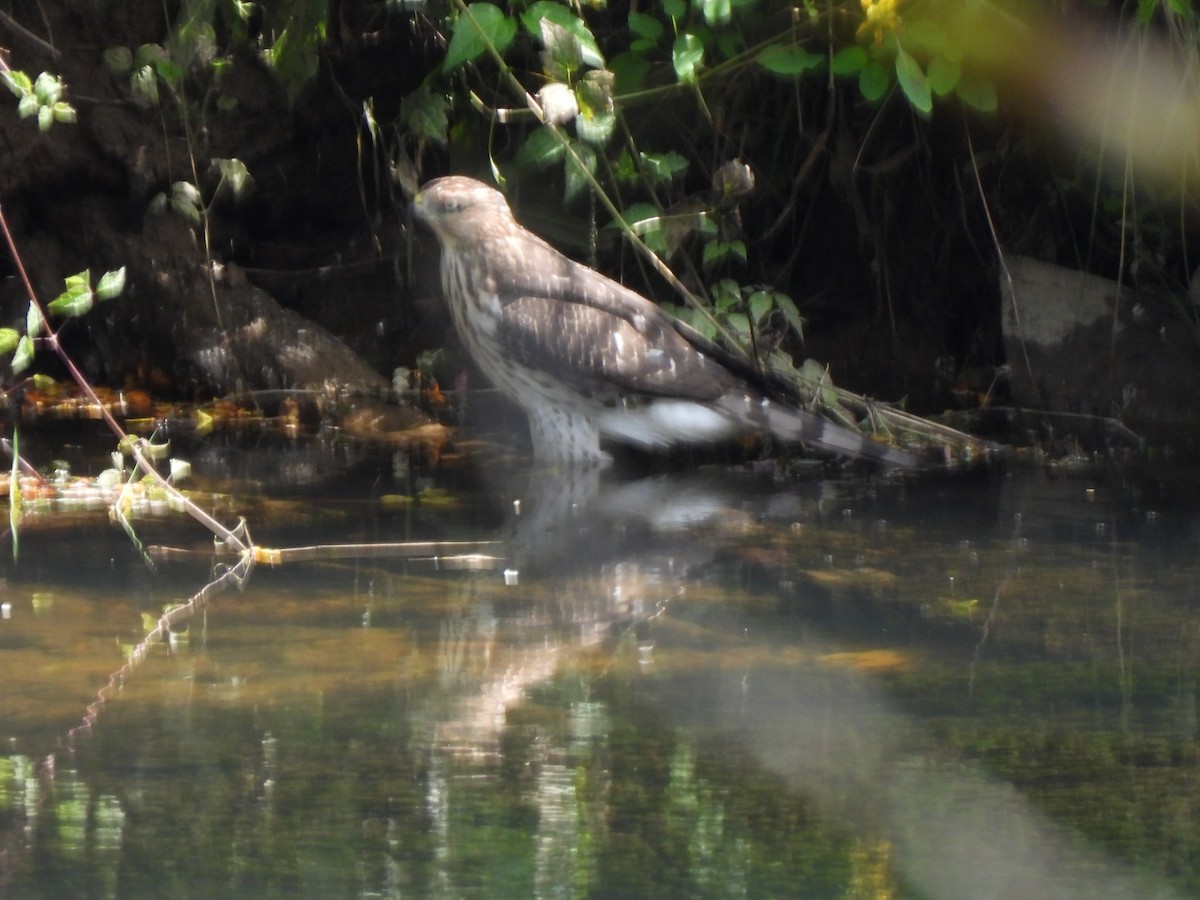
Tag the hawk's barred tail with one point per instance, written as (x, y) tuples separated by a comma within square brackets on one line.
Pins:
[(798, 426)]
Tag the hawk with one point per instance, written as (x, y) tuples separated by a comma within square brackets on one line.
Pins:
[(587, 359)]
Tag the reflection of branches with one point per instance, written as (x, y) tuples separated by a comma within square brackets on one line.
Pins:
[(441, 554), (235, 575)]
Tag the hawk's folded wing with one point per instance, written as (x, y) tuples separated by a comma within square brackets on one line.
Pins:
[(606, 355)]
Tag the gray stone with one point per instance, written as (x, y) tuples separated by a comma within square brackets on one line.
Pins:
[(1080, 344)]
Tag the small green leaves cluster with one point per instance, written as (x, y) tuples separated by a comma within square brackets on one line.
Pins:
[(672, 32), (747, 313), (77, 299), (183, 198), (926, 51), (79, 296), (923, 55), (145, 67), (578, 89), (922, 46), (191, 46), (42, 97), (425, 115), (1146, 10), (294, 56)]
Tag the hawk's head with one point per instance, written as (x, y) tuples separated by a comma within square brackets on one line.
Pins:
[(462, 211)]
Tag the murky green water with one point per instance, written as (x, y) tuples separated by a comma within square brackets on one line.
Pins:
[(707, 685)]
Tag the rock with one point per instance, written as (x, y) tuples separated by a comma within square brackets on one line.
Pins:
[(1080, 344), (264, 345)]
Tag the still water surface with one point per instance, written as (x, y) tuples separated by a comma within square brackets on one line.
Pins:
[(715, 684)]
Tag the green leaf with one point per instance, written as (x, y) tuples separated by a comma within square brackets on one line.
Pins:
[(873, 80), (17, 82), (148, 55), (48, 89), (924, 35), (169, 71), (144, 85), (470, 39), (23, 356), (33, 321), (816, 376), (644, 220), (542, 148), (563, 56), (786, 306), (9, 338), (186, 202), (79, 282), (702, 323), (646, 27), (848, 60), (68, 304), (664, 167), (726, 294), (234, 175), (717, 251), (597, 128), (686, 55), (186, 211), (623, 169), (716, 12), (976, 92), (64, 112), (111, 284), (733, 249), (630, 70), (739, 324), (913, 82), (787, 59), (558, 14), (943, 75), (424, 115), (597, 114), (729, 44), (675, 9), (119, 60), (76, 300), (761, 303), (295, 54), (45, 118)]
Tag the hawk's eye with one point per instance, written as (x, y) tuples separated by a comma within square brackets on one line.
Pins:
[(451, 205)]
